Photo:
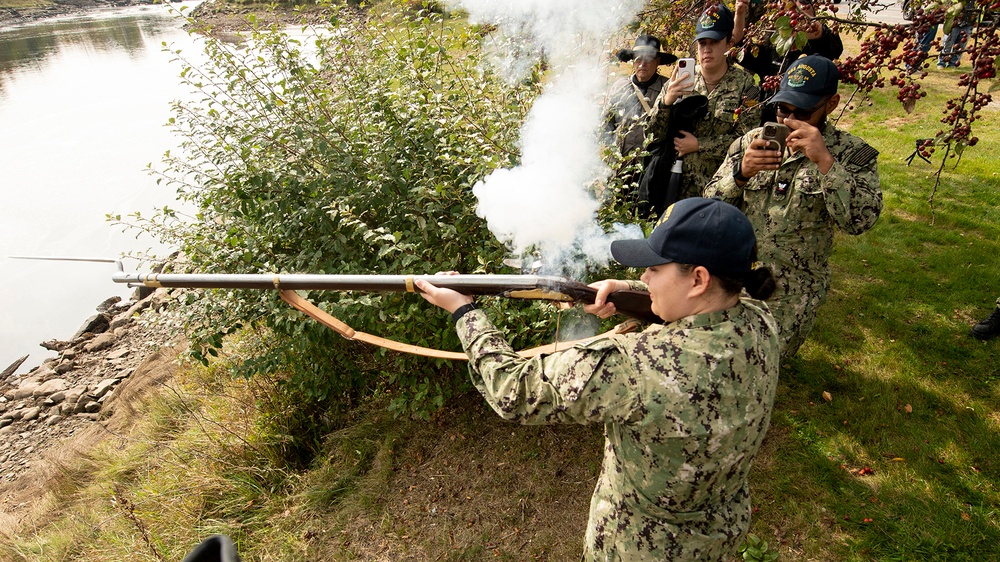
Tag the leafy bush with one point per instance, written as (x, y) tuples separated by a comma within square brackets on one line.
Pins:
[(351, 152)]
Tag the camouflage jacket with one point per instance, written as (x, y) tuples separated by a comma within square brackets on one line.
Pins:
[(685, 407), (795, 211), (624, 115), (717, 130)]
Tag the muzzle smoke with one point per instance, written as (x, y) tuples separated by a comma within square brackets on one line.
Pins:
[(545, 203)]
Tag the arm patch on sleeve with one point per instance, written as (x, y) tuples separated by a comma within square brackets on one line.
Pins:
[(863, 157)]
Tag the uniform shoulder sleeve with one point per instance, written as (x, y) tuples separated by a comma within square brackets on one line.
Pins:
[(583, 384)]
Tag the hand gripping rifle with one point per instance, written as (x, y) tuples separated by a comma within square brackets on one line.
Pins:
[(635, 304)]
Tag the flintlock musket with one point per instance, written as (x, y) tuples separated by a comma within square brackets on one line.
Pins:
[(635, 304)]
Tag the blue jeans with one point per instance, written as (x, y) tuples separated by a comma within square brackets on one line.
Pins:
[(954, 44), (926, 39)]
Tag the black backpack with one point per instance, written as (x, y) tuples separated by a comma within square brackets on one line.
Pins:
[(657, 188)]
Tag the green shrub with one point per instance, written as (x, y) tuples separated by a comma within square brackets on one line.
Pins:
[(352, 151)]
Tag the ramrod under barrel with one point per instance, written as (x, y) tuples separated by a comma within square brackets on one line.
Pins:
[(534, 287)]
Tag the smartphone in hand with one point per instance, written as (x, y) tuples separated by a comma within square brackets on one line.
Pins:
[(685, 67), (775, 134)]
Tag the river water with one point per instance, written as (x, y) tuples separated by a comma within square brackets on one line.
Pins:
[(83, 107)]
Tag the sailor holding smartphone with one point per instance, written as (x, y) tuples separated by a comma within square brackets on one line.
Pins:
[(797, 195), (731, 95)]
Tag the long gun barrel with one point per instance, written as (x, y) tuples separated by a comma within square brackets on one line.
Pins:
[(635, 304)]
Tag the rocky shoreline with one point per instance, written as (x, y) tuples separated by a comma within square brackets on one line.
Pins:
[(63, 408), (12, 17), (68, 403), (222, 16)]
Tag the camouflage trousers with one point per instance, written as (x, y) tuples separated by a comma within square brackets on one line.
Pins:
[(794, 306), (619, 531)]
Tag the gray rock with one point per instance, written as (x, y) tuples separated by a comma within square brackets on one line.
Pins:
[(100, 342), (92, 407), (57, 397), (25, 389), (108, 303), (139, 307), (159, 299), (119, 353), (72, 399), (50, 386), (54, 345), (103, 387), (96, 324), (30, 413), (4, 422), (53, 419), (119, 322), (64, 367), (12, 368), (83, 338)]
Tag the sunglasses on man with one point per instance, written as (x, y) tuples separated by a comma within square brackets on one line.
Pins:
[(784, 110)]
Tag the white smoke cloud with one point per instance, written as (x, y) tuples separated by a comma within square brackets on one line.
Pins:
[(545, 202)]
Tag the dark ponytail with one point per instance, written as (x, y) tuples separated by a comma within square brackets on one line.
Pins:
[(760, 284)]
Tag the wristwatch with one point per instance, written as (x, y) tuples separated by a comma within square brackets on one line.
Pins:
[(462, 311)]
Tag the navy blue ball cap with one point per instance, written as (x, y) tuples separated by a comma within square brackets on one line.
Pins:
[(716, 22), (694, 231), (807, 81)]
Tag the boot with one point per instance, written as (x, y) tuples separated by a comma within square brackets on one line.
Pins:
[(988, 328)]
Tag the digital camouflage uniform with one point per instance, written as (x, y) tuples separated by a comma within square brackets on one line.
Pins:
[(794, 211), (624, 115), (717, 130), (685, 407)]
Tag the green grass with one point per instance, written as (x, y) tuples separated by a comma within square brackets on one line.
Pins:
[(910, 438), (903, 463)]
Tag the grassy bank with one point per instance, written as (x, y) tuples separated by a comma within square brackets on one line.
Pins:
[(884, 443)]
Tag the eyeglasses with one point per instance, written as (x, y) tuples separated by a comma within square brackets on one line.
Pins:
[(784, 110)]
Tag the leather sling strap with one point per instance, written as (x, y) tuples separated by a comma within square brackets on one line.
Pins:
[(321, 316), (642, 98)]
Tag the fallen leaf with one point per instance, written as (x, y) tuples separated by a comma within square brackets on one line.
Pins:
[(966, 516), (827, 396), (908, 408)]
